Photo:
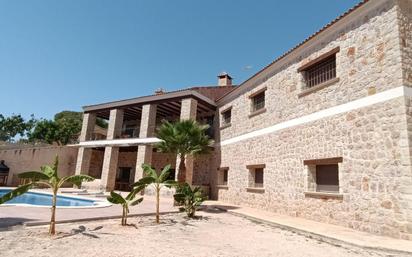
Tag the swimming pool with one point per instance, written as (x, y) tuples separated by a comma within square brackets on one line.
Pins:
[(45, 199)]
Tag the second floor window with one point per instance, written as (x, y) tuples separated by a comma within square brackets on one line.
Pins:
[(321, 69), (258, 102), (227, 117), (321, 72)]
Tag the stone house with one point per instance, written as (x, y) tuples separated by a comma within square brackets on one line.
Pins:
[(323, 132)]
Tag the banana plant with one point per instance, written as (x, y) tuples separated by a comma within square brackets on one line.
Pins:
[(129, 200), (189, 198), (158, 181), (48, 177)]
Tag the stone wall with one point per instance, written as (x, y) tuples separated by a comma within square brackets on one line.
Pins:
[(405, 29), (23, 159), (160, 160), (369, 57), (96, 163), (375, 175), (373, 169), (203, 164)]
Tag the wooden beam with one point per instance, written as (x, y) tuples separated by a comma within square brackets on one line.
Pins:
[(324, 161)]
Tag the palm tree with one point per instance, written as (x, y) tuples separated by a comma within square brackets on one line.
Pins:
[(158, 181), (116, 198), (46, 177), (186, 137)]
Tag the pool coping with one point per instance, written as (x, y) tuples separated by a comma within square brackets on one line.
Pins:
[(98, 203)]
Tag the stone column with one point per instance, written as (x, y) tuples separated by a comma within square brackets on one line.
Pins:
[(147, 129), (188, 111), (89, 121), (115, 124), (84, 154), (83, 160), (109, 170), (111, 153)]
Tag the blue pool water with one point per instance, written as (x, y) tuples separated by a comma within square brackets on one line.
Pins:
[(46, 199)]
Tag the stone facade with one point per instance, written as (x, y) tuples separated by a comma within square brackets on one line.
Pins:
[(375, 176), (369, 56), (405, 30), (361, 119)]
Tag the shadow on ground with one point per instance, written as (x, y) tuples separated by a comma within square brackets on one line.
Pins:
[(217, 208), (84, 231), (8, 222)]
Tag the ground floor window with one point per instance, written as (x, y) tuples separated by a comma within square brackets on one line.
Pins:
[(323, 175), (327, 178), (223, 174), (123, 179), (256, 175)]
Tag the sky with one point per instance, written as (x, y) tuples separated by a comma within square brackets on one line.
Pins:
[(62, 55)]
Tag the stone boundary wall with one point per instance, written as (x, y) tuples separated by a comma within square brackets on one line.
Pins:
[(29, 159)]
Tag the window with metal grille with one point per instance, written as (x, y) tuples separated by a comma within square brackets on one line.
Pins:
[(227, 117), (320, 72), (258, 102)]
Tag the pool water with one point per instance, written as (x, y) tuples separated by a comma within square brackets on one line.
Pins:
[(34, 198)]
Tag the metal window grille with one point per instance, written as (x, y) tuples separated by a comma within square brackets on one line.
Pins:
[(258, 102), (321, 72)]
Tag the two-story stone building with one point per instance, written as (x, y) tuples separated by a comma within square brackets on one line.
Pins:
[(323, 132)]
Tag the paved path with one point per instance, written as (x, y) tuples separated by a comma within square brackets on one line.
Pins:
[(322, 231), (15, 215)]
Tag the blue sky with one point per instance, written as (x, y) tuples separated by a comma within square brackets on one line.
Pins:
[(62, 55)]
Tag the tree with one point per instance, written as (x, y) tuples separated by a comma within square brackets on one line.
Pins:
[(158, 181), (63, 130), (47, 177), (183, 138), (44, 131), (14, 125), (78, 118), (189, 198), (116, 198), (69, 115)]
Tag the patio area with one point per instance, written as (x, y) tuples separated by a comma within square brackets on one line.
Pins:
[(30, 216)]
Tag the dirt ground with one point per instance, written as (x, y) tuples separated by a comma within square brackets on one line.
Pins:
[(212, 234)]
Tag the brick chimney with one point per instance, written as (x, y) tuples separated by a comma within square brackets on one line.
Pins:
[(224, 79)]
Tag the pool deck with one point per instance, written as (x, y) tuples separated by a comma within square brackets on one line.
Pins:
[(12, 216)]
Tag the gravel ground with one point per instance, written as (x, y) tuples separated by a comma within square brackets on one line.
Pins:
[(212, 234)]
